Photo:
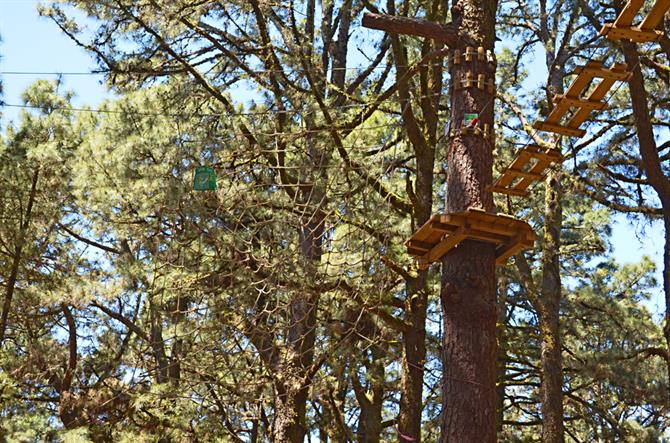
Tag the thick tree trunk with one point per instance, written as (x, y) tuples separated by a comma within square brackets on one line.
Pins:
[(468, 273), (550, 348)]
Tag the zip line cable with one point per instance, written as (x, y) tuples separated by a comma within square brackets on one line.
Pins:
[(235, 70)]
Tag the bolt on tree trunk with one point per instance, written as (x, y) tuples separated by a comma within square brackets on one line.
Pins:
[(468, 272)]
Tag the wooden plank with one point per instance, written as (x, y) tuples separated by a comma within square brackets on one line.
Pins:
[(557, 113), (655, 15), (598, 94), (581, 103), (539, 167), (551, 154), (415, 252), (447, 244), (425, 231), (633, 34), (525, 174), (562, 130), (628, 13), (497, 231), (515, 245), (503, 255), (583, 79), (455, 219), (517, 164), (419, 245), (614, 74), (487, 237), (509, 191)]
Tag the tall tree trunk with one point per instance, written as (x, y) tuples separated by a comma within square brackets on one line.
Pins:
[(666, 290), (503, 287), (18, 255), (652, 167), (413, 360), (550, 348), (468, 272), (547, 303), (371, 401), (292, 385)]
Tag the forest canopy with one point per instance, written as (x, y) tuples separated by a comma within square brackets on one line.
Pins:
[(283, 305)]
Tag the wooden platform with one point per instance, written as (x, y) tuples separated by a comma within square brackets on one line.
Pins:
[(623, 28), (527, 167), (573, 99), (444, 232)]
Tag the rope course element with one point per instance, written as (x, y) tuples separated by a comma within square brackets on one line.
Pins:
[(573, 98), (443, 232), (527, 168), (621, 29)]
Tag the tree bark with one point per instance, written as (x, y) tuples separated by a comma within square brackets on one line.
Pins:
[(550, 348), (468, 272), (413, 360), (547, 302)]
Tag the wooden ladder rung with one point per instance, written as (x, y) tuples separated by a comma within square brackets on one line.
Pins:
[(524, 174), (551, 154), (509, 191), (616, 73), (631, 33), (558, 129), (581, 103)]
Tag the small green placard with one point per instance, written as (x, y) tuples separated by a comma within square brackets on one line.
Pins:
[(204, 179), (470, 120)]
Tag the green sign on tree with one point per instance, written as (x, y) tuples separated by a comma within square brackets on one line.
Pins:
[(204, 179), (470, 120)]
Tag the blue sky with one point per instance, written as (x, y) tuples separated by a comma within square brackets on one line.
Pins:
[(34, 44)]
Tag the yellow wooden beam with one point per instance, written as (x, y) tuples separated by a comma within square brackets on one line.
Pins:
[(631, 33), (558, 129), (655, 15)]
